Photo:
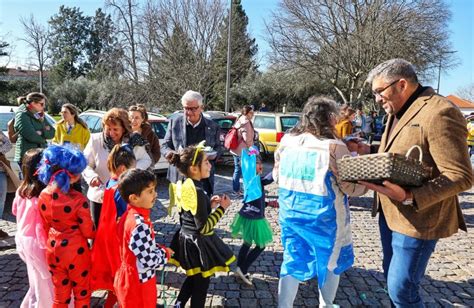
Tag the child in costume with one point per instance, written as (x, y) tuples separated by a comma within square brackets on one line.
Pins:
[(250, 224), (135, 280), (105, 254), (198, 250), (68, 225), (30, 238)]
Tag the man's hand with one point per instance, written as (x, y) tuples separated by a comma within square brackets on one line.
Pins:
[(169, 155), (393, 191)]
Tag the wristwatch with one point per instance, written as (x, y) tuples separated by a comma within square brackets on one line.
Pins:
[(409, 199)]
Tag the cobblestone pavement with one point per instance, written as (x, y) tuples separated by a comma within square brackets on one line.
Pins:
[(449, 281)]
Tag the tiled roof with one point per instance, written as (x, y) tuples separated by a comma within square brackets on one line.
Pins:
[(461, 103)]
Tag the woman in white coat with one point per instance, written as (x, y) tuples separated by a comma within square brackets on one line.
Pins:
[(117, 129)]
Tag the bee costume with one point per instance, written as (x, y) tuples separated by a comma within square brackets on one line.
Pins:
[(197, 249)]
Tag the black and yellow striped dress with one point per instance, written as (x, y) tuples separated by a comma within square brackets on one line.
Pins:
[(197, 249)]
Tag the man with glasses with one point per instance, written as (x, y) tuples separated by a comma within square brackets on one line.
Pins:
[(411, 220), (190, 129)]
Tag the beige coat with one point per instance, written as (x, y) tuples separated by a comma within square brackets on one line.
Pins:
[(439, 128)]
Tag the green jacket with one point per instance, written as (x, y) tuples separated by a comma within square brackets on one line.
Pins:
[(33, 132)]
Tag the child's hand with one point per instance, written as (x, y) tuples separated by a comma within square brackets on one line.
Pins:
[(169, 251), (95, 182), (215, 200), (225, 201)]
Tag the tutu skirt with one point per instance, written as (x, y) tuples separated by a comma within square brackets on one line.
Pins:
[(253, 231), (200, 254)]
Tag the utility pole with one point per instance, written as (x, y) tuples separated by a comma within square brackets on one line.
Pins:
[(439, 68), (227, 81)]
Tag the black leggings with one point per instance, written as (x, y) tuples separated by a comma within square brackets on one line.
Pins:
[(95, 213), (194, 287), (245, 259)]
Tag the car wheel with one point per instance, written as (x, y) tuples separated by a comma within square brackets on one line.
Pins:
[(262, 151)]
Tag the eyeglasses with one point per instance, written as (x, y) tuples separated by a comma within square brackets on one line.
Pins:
[(192, 109), (379, 92)]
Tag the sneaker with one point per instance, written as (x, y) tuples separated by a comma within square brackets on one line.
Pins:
[(273, 204), (236, 194), (243, 277)]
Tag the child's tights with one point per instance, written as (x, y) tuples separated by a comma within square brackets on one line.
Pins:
[(194, 287), (246, 258)]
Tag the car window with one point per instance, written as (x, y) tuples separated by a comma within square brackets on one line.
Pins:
[(4, 118), (264, 122), (288, 123), (92, 124), (159, 128), (224, 123)]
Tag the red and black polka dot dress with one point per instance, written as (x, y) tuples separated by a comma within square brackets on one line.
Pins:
[(68, 225)]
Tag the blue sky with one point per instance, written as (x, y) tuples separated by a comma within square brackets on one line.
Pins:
[(461, 27)]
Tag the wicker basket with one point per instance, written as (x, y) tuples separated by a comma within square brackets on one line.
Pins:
[(375, 168)]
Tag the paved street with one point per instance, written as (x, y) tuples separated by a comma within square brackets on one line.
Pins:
[(449, 280)]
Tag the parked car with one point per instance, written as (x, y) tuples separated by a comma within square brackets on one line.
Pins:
[(6, 114), (271, 127), (159, 124)]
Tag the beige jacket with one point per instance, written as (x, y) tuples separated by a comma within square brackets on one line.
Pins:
[(439, 128)]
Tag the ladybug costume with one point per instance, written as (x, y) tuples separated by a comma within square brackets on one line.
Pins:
[(68, 225)]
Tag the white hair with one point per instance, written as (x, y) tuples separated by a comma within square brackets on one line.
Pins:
[(191, 96)]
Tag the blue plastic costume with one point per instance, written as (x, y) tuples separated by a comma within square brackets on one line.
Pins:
[(314, 212), (252, 185)]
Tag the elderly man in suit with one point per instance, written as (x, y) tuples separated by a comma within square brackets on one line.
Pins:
[(411, 220), (190, 129)]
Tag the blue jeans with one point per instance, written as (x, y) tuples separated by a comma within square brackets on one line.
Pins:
[(405, 260), (3, 191), (237, 174)]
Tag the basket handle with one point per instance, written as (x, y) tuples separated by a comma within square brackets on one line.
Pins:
[(346, 156), (420, 157)]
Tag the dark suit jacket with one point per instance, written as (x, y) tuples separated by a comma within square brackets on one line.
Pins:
[(439, 128), (175, 139)]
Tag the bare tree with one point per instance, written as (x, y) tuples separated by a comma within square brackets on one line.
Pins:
[(177, 40), (126, 12), (467, 92), (341, 40), (36, 37)]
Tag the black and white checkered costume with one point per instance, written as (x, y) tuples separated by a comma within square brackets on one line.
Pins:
[(149, 255)]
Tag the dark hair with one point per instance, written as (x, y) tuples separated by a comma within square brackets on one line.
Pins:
[(75, 113), (31, 97), (120, 155), (316, 118), (31, 186), (184, 159), (134, 181), (346, 114), (246, 109), (59, 163), (142, 109)]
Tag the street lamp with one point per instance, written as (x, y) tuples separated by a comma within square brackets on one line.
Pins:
[(229, 45)]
